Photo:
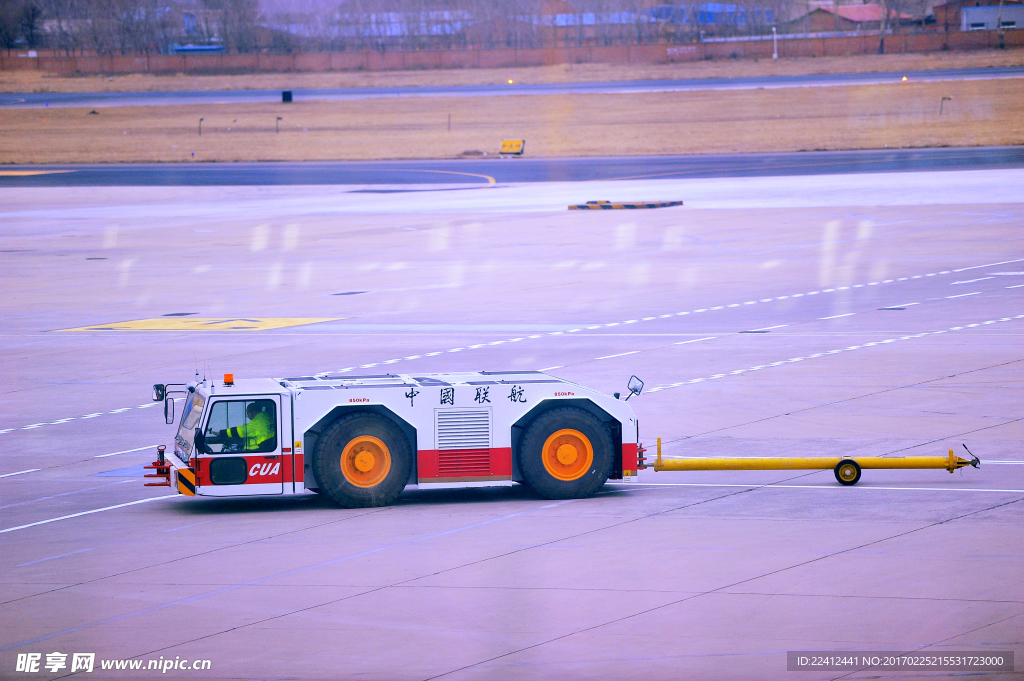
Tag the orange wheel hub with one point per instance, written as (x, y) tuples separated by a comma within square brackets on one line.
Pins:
[(567, 455), (365, 461)]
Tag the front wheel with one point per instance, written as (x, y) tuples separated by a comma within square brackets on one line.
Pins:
[(362, 459), (566, 453)]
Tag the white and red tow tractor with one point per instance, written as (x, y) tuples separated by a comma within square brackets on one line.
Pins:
[(360, 440)]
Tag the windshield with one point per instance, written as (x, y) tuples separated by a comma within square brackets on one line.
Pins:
[(190, 416)]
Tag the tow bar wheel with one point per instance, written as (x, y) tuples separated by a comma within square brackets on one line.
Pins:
[(565, 453), (847, 472), (362, 459)]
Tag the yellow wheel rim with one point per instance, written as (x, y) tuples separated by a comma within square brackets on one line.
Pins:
[(365, 461), (568, 455), (847, 472)]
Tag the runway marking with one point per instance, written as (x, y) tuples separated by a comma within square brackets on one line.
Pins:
[(621, 354), (43, 560), (126, 451), (81, 513), (31, 173), (836, 486), (832, 352), (560, 366), (206, 324), (837, 316), (695, 340), (769, 328), (612, 324), (962, 295), (27, 470), (970, 281)]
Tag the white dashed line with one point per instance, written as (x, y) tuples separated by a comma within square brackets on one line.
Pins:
[(837, 316), (91, 416), (621, 354), (833, 352), (769, 328), (27, 470), (118, 411), (962, 295), (126, 451), (970, 281), (1017, 286), (695, 340), (560, 366), (991, 264), (35, 425)]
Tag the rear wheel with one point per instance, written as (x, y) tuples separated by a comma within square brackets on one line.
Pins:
[(362, 459), (566, 453)]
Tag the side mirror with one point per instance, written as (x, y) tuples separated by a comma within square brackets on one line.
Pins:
[(169, 411), (635, 386), (200, 441), (159, 392)]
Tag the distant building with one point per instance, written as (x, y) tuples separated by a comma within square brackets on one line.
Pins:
[(846, 18), (948, 14), (986, 18)]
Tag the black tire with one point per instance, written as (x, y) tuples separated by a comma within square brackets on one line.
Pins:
[(530, 453), (847, 472), (331, 445)]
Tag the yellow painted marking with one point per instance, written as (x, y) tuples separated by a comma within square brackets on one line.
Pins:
[(28, 173), (207, 324)]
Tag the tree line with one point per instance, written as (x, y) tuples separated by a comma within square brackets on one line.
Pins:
[(128, 27)]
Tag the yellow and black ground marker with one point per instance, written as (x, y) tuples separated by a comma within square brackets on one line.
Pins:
[(612, 205)]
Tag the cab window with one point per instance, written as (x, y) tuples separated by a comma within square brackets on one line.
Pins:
[(242, 426)]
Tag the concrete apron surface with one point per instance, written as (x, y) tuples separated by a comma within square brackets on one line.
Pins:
[(849, 315)]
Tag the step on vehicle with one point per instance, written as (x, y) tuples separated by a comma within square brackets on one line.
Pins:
[(361, 440)]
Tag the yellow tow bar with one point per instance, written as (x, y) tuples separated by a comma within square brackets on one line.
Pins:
[(847, 469)]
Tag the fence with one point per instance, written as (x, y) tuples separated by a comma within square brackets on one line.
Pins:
[(447, 59)]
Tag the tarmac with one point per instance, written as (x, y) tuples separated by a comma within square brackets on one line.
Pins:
[(389, 177), (863, 314), (36, 100)]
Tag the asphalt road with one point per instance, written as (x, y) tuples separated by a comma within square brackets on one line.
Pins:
[(485, 171), (103, 99), (853, 328)]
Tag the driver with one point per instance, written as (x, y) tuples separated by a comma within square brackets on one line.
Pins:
[(258, 429)]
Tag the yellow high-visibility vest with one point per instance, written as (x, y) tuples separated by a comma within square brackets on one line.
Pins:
[(255, 432)]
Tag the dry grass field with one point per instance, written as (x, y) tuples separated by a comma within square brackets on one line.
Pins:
[(33, 81), (792, 119)]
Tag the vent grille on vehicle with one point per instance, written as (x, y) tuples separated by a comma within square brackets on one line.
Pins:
[(457, 463), (463, 443), (464, 429)]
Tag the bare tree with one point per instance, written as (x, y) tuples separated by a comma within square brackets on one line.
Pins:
[(10, 25), (30, 18)]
